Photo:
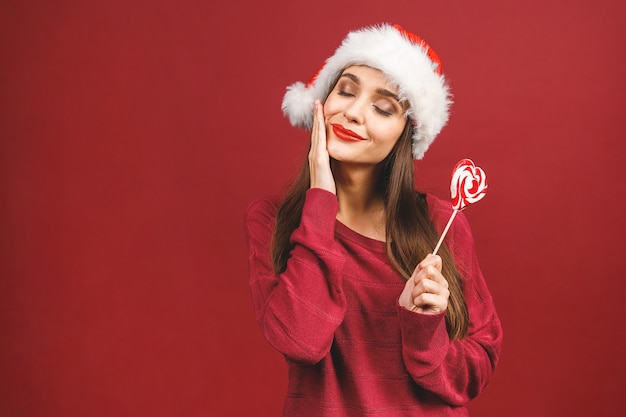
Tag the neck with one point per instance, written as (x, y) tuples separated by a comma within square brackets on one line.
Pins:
[(361, 205)]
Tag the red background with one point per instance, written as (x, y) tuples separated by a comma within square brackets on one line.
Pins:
[(135, 133)]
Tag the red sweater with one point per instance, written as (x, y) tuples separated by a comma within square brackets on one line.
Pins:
[(334, 315)]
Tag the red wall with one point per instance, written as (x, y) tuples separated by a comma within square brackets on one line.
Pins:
[(133, 135)]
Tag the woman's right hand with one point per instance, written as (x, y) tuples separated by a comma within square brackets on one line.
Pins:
[(319, 159)]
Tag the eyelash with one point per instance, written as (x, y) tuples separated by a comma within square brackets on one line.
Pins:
[(378, 109), (382, 112)]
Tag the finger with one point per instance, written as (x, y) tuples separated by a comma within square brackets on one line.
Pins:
[(314, 130), (431, 302), (321, 126), (316, 147), (429, 286), (318, 132), (435, 274), (319, 115), (431, 273), (431, 259), (406, 298)]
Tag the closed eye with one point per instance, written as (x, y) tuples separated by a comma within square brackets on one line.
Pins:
[(382, 112)]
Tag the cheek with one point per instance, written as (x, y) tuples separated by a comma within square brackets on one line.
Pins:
[(390, 132), (330, 107)]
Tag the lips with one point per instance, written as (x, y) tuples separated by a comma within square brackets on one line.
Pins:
[(346, 134)]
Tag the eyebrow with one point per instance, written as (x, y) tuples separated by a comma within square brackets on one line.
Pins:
[(381, 91)]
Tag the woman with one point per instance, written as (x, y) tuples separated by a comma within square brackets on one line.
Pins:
[(341, 275)]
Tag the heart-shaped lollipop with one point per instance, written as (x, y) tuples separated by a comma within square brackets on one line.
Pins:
[(468, 185)]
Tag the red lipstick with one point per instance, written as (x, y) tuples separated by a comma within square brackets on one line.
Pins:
[(345, 134)]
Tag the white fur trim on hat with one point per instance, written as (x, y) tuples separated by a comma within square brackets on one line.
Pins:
[(406, 61)]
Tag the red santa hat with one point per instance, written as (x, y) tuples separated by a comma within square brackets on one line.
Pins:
[(405, 59)]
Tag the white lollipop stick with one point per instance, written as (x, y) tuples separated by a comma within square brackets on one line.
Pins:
[(468, 185), (445, 231)]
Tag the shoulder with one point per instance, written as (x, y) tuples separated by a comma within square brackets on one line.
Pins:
[(267, 203), (262, 210), (440, 211), (437, 206)]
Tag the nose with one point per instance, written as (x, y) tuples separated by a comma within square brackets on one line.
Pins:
[(355, 111)]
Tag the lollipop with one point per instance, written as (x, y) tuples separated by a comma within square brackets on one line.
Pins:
[(468, 185)]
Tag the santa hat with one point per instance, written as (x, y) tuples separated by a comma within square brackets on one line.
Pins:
[(405, 59)]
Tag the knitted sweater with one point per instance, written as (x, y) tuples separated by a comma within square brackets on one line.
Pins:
[(351, 349)]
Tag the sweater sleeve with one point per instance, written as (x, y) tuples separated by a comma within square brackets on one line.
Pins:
[(299, 310), (458, 370)]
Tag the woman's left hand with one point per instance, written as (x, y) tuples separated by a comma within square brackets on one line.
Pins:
[(426, 291)]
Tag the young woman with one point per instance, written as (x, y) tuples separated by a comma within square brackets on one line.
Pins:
[(342, 279)]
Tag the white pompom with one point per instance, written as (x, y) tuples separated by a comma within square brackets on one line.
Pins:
[(298, 104)]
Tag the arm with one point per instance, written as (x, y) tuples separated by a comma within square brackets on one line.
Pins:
[(458, 370), (298, 310)]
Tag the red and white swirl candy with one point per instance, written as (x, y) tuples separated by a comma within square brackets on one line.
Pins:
[(468, 184)]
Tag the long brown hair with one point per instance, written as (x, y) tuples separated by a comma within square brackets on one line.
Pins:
[(410, 234)]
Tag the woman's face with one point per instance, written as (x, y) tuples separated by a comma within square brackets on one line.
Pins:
[(364, 117)]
